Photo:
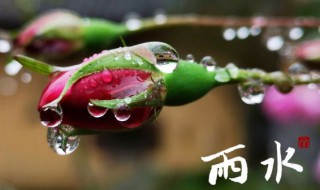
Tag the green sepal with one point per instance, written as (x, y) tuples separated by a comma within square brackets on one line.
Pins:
[(109, 61), (35, 65), (188, 82), (143, 99)]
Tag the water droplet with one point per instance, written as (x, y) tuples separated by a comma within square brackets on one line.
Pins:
[(12, 68), (229, 34), (5, 46), (283, 82), (222, 76), (96, 111), (296, 33), (243, 32), (116, 57), (127, 100), (190, 58), (139, 61), (106, 76), (166, 67), (132, 21), (209, 63), (255, 30), (167, 57), (298, 68), (275, 43), (127, 55), (93, 82), (26, 77), (51, 116), (160, 17), (61, 143), (122, 113), (252, 91), (233, 70)]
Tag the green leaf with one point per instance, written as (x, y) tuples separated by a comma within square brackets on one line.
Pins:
[(35, 65)]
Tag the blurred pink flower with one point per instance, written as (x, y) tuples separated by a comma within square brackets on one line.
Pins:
[(301, 105)]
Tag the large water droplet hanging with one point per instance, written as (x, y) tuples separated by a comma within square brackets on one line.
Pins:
[(209, 63), (252, 91), (51, 116), (166, 56), (190, 58), (229, 34), (132, 21), (96, 111), (122, 113), (59, 142)]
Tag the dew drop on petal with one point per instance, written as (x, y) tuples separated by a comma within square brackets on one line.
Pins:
[(51, 116), (60, 143), (252, 92), (190, 58), (209, 63), (122, 113), (96, 111), (106, 76), (93, 82)]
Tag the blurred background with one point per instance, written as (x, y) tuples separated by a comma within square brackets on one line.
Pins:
[(166, 154)]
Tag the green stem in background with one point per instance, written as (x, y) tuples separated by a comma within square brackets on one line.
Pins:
[(99, 33)]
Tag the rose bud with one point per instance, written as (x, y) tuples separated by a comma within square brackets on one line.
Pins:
[(116, 90), (59, 33), (309, 53)]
